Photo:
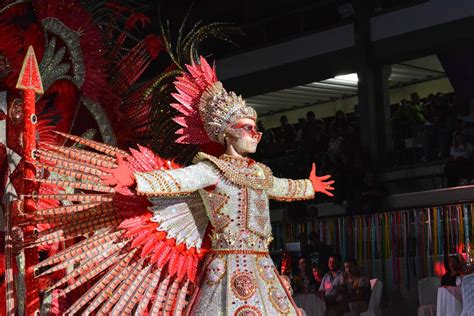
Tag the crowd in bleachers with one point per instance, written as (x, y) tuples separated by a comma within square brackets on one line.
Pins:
[(332, 143), (423, 130), (431, 128)]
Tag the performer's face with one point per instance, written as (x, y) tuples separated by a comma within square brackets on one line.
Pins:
[(243, 136)]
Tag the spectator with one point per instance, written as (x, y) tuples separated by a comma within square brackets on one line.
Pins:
[(335, 165), (303, 281), (317, 275), (415, 98), (330, 288), (460, 149), (318, 252), (286, 133), (314, 140), (340, 126), (355, 120), (356, 288), (429, 108), (430, 132), (299, 132), (266, 146), (453, 270), (408, 127), (301, 170), (443, 123), (417, 110)]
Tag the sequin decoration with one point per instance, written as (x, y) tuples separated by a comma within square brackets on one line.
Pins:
[(105, 127), (241, 171), (71, 39), (279, 300), (5, 67), (51, 66), (266, 269), (215, 271), (216, 202), (247, 310), (243, 285)]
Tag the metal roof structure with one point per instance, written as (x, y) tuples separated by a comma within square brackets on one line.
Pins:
[(345, 86)]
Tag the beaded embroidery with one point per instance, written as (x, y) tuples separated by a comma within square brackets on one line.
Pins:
[(247, 310), (241, 171), (243, 285)]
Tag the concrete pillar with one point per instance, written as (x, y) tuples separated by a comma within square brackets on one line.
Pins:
[(374, 97)]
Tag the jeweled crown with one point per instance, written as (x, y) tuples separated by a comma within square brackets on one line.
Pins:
[(206, 108)]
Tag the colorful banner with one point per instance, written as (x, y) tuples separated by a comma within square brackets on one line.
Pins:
[(393, 246)]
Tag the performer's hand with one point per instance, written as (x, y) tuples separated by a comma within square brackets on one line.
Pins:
[(120, 177), (319, 183)]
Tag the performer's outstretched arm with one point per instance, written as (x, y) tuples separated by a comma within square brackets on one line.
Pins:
[(161, 182), (176, 181), (294, 190)]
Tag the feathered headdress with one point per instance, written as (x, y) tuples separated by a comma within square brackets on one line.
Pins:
[(206, 108)]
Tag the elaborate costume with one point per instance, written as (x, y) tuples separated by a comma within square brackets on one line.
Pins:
[(238, 277), (157, 252), (186, 239)]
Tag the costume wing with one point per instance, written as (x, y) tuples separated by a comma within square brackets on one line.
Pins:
[(136, 254)]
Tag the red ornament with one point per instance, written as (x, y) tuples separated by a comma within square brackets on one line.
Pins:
[(30, 82), (30, 78)]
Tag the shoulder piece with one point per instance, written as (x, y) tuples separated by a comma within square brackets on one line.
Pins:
[(241, 171)]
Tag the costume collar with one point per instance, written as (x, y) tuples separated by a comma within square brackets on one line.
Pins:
[(241, 170)]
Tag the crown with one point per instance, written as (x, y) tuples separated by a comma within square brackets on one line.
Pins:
[(206, 108)]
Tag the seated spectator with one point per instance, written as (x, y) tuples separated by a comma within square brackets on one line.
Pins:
[(453, 270), (302, 281), (317, 275), (356, 288), (461, 149), (330, 288)]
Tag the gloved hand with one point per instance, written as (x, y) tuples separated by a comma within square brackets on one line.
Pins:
[(319, 185)]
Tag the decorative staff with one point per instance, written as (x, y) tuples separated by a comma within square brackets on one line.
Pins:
[(30, 82)]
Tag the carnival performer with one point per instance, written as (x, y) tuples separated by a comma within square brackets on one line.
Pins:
[(238, 277), (166, 240)]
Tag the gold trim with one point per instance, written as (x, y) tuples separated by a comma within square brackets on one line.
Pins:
[(246, 309), (291, 199), (261, 176), (238, 252), (165, 194)]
